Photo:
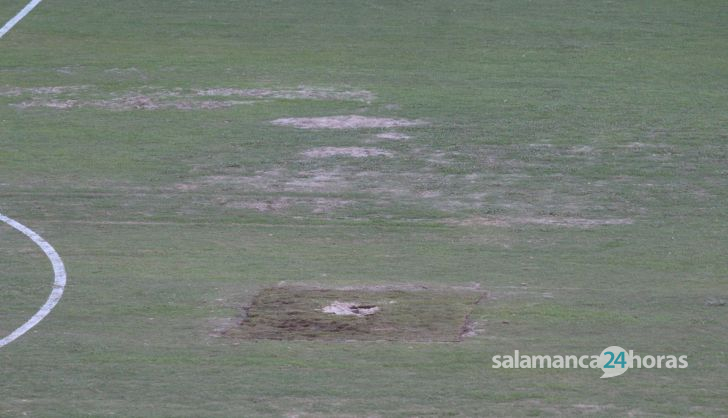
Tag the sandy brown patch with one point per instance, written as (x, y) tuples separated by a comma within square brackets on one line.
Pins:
[(356, 152), (19, 91), (132, 102), (54, 104), (350, 308), (553, 221), (346, 122), (301, 93), (393, 136), (154, 98)]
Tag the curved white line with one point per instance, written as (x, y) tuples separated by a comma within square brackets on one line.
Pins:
[(21, 14), (59, 280)]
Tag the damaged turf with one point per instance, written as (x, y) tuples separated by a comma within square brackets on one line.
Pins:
[(346, 122), (369, 314)]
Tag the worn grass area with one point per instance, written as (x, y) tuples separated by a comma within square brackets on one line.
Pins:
[(571, 159), (290, 313)]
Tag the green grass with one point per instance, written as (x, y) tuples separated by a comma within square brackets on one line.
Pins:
[(557, 110)]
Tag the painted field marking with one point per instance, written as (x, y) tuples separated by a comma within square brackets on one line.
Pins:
[(21, 14), (59, 279)]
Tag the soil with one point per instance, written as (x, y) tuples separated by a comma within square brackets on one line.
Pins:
[(387, 312), (155, 98), (346, 122), (355, 152), (303, 92), (350, 308), (392, 135)]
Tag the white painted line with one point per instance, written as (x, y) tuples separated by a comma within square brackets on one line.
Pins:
[(59, 280), (21, 14)]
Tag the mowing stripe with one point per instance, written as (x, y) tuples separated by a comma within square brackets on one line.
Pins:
[(59, 280), (21, 14)]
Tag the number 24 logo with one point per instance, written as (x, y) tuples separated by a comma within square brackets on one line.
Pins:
[(612, 361)]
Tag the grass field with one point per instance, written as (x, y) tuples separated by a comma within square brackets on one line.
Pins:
[(570, 157)]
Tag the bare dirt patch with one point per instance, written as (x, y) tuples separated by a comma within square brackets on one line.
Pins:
[(407, 313), (355, 152), (54, 104), (19, 91), (132, 102), (346, 122), (350, 308), (553, 221), (301, 93), (393, 136), (155, 98)]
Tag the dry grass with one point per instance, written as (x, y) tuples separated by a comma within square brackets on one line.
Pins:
[(408, 313)]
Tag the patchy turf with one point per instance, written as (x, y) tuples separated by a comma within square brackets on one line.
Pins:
[(355, 152), (573, 162), (407, 314), (155, 98), (392, 135), (346, 122)]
